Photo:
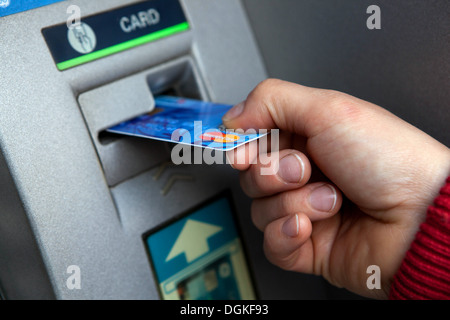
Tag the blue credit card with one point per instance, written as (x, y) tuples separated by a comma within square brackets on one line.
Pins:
[(186, 121)]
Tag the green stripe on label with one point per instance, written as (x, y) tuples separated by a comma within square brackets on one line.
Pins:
[(123, 46)]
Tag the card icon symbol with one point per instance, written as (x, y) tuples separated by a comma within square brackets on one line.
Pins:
[(82, 38)]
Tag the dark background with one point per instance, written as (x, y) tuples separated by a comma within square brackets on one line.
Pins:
[(404, 67)]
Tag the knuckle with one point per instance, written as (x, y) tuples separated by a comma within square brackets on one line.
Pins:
[(254, 184), (262, 185), (269, 83), (285, 203), (264, 89), (245, 185), (264, 98), (254, 214), (343, 106), (273, 253), (268, 246)]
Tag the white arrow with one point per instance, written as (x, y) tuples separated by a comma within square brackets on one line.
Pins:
[(193, 240)]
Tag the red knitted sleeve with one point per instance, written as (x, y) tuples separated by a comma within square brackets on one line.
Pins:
[(425, 270)]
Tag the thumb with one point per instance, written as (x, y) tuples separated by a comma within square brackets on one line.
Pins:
[(287, 106)]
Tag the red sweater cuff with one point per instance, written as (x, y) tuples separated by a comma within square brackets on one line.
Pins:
[(425, 270)]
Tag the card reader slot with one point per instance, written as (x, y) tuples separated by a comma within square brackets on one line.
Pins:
[(176, 79), (124, 157)]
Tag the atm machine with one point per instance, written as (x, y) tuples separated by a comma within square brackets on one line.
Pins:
[(87, 215)]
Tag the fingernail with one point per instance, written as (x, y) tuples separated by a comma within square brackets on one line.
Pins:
[(291, 226), (234, 112), (323, 198), (291, 168)]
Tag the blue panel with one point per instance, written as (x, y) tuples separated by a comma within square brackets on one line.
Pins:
[(8, 7), (200, 256), (217, 214)]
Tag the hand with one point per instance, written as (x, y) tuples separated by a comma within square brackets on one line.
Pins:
[(380, 174)]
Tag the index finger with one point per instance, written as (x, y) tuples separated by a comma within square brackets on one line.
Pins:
[(287, 106)]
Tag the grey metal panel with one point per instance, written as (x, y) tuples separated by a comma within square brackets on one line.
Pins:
[(225, 49), (22, 271), (403, 67), (55, 167), (116, 102), (109, 105), (50, 154)]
